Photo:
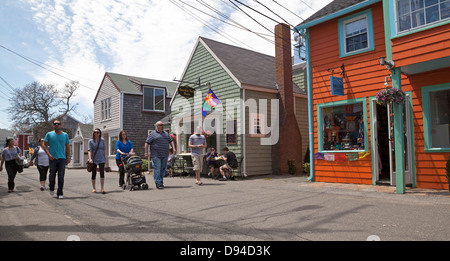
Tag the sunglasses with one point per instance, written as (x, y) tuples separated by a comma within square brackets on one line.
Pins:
[(160, 125), (57, 123), (96, 132)]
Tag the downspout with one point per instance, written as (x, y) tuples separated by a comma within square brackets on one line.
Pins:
[(243, 122), (310, 104)]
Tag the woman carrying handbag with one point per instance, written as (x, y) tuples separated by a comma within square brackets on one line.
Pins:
[(98, 158), (9, 156)]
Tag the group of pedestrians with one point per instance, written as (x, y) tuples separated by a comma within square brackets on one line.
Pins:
[(53, 154)]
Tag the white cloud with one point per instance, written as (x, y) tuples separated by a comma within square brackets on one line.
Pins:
[(145, 38)]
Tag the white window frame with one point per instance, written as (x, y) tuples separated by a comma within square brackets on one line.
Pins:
[(397, 19), (257, 120), (351, 20), (154, 99), (106, 109)]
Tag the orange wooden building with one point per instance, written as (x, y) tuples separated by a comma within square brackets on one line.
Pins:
[(354, 50)]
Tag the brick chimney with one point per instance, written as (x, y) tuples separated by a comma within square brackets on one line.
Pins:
[(289, 146)]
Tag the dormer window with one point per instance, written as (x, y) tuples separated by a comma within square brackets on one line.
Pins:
[(154, 99)]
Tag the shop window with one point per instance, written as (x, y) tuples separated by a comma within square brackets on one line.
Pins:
[(436, 114), (356, 33), (343, 126)]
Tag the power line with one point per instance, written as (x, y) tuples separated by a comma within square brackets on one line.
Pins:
[(224, 21), (233, 22), (256, 21), (212, 27), (37, 64), (287, 9), (254, 10), (274, 13), (7, 83), (307, 5), (284, 40)]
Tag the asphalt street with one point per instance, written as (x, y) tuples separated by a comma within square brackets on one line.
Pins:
[(263, 208)]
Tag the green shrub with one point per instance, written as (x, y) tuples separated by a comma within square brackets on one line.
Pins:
[(447, 168), (144, 165), (306, 167)]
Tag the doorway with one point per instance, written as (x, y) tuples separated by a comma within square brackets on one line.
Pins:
[(77, 153), (383, 144)]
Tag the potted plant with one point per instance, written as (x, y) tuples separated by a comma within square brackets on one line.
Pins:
[(387, 95), (447, 172)]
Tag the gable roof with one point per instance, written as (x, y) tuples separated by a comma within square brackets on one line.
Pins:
[(246, 66), (127, 83), (86, 130), (335, 7)]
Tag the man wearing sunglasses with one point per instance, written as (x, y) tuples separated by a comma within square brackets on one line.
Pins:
[(57, 147)]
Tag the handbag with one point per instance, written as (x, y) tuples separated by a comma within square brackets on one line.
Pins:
[(19, 162), (90, 166)]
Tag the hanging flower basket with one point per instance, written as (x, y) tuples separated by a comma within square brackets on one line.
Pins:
[(207, 134), (384, 97)]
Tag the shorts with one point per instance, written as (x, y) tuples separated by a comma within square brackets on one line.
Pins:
[(225, 166), (197, 161)]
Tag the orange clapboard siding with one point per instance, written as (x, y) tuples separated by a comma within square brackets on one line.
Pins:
[(422, 46), (364, 78), (430, 167)]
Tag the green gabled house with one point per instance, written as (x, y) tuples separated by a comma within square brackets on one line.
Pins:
[(240, 79)]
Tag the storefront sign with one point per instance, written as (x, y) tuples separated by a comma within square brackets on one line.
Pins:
[(337, 86), (186, 91)]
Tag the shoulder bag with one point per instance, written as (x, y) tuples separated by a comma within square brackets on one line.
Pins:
[(89, 165)]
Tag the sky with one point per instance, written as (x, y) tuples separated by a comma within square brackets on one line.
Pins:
[(82, 39)]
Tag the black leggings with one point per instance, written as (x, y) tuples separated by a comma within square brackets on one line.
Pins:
[(11, 168), (102, 171), (121, 172), (42, 172)]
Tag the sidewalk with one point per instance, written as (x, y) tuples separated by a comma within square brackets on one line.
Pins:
[(303, 181)]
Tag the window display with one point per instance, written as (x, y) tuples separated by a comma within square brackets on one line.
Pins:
[(343, 127)]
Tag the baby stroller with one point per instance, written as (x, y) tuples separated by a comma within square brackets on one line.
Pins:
[(135, 178)]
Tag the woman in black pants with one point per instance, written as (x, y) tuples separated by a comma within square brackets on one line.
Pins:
[(42, 163), (124, 147), (9, 156), (96, 153)]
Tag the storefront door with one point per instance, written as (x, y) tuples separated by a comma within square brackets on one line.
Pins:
[(383, 144)]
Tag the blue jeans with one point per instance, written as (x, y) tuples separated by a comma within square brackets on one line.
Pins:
[(159, 165), (57, 165)]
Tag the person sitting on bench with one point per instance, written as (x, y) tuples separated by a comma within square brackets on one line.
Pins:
[(231, 163)]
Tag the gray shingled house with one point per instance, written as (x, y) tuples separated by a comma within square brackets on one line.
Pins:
[(133, 104), (235, 73)]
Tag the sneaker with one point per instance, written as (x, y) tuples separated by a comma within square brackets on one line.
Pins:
[(60, 197), (159, 186), (209, 174), (223, 179), (42, 188), (52, 193)]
